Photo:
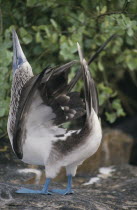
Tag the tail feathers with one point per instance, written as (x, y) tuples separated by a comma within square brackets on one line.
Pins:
[(87, 87), (80, 52), (91, 99)]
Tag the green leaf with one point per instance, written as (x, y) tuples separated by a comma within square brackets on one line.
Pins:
[(31, 3), (103, 10), (116, 105), (54, 23), (26, 37), (100, 66), (130, 32), (111, 117)]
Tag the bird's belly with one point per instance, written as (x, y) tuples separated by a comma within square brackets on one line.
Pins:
[(40, 133), (36, 147)]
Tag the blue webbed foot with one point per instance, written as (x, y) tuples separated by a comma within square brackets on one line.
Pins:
[(67, 191), (25, 190), (62, 192), (44, 191)]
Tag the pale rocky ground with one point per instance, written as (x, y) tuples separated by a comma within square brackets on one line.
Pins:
[(117, 191)]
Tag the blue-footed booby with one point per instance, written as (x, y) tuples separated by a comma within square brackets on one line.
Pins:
[(40, 105)]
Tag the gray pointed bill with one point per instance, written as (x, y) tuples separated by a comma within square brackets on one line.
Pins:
[(18, 55)]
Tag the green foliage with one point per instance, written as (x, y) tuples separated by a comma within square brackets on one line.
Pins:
[(49, 30)]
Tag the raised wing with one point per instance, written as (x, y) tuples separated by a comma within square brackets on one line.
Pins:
[(45, 93)]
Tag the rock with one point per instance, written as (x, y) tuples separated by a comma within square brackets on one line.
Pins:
[(115, 149), (117, 191), (6, 153), (129, 125)]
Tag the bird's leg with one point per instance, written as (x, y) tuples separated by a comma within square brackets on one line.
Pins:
[(68, 189), (43, 191), (69, 185), (46, 186)]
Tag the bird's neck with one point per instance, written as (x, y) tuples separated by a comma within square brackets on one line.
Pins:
[(19, 80)]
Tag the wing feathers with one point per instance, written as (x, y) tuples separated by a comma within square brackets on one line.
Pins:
[(24, 104)]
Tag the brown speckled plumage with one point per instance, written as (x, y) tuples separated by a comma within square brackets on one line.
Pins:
[(19, 80)]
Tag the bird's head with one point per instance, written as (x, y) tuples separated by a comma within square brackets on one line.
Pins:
[(19, 60)]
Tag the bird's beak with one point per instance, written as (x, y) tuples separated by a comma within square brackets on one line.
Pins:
[(18, 55)]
